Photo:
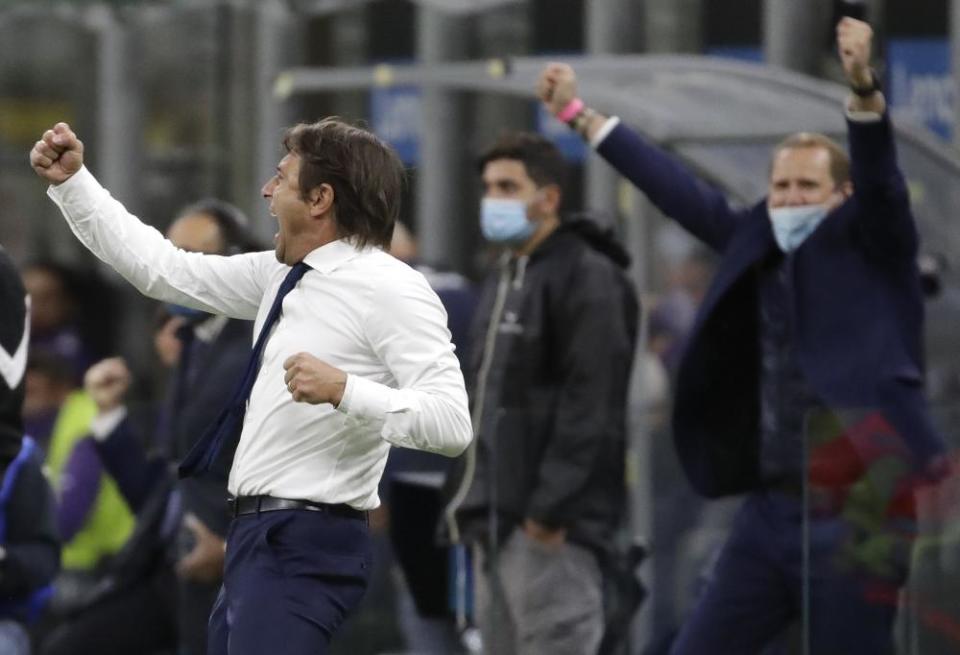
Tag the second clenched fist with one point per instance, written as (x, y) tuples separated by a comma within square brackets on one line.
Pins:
[(313, 381), (854, 44), (557, 86)]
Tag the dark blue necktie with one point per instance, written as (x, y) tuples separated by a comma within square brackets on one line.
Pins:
[(203, 454)]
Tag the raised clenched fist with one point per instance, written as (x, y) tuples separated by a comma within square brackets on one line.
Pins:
[(557, 86), (57, 155), (854, 44)]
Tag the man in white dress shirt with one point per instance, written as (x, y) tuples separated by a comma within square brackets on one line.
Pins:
[(352, 355)]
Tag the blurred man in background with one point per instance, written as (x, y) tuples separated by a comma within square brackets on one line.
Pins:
[(164, 601), (74, 314), (29, 548), (816, 306), (542, 491), (53, 325), (50, 380)]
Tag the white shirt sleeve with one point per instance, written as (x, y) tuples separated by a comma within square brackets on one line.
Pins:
[(863, 116), (407, 328), (103, 424), (232, 286), (604, 131)]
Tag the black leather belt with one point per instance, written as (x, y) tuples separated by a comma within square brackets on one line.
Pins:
[(242, 505)]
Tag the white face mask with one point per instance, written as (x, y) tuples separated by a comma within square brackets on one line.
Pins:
[(792, 225)]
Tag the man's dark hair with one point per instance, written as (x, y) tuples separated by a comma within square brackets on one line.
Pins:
[(233, 224), (365, 173), (543, 161)]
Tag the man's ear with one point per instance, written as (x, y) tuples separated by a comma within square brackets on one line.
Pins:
[(550, 198), (846, 189), (320, 200)]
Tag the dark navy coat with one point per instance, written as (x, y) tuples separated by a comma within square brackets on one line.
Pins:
[(858, 309)]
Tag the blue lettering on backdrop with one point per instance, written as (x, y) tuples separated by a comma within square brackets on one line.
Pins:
[(395, 118), (920, 85)]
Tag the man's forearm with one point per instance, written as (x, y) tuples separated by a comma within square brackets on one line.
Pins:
[(153, 265), (126, 462), (434, 419)]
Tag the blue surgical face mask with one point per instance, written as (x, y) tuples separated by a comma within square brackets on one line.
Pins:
[(189, 313), (504, 220), (792, 225)]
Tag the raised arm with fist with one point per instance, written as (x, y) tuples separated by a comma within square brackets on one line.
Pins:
[(557, 88), (57, 155), (854, 45)]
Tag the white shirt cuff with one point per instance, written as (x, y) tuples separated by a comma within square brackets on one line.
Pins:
[(78, 194), (604, 131), (103, 425), (862, 116), (364, 399)]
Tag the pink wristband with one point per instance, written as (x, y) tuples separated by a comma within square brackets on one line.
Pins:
[(570, 112)]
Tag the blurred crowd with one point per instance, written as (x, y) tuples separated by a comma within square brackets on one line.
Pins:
[(751, 374), (141, 556)]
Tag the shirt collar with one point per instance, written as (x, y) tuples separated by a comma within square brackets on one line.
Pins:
[(328, 257)]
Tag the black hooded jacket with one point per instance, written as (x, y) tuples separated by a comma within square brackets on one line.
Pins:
[(554, 338), (31, 548)]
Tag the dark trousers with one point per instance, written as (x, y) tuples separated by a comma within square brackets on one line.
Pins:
[(757, 588), (291, 578)]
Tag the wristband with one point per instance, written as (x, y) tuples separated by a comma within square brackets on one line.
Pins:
[(869, 90), (570, 112), (581, 122)]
